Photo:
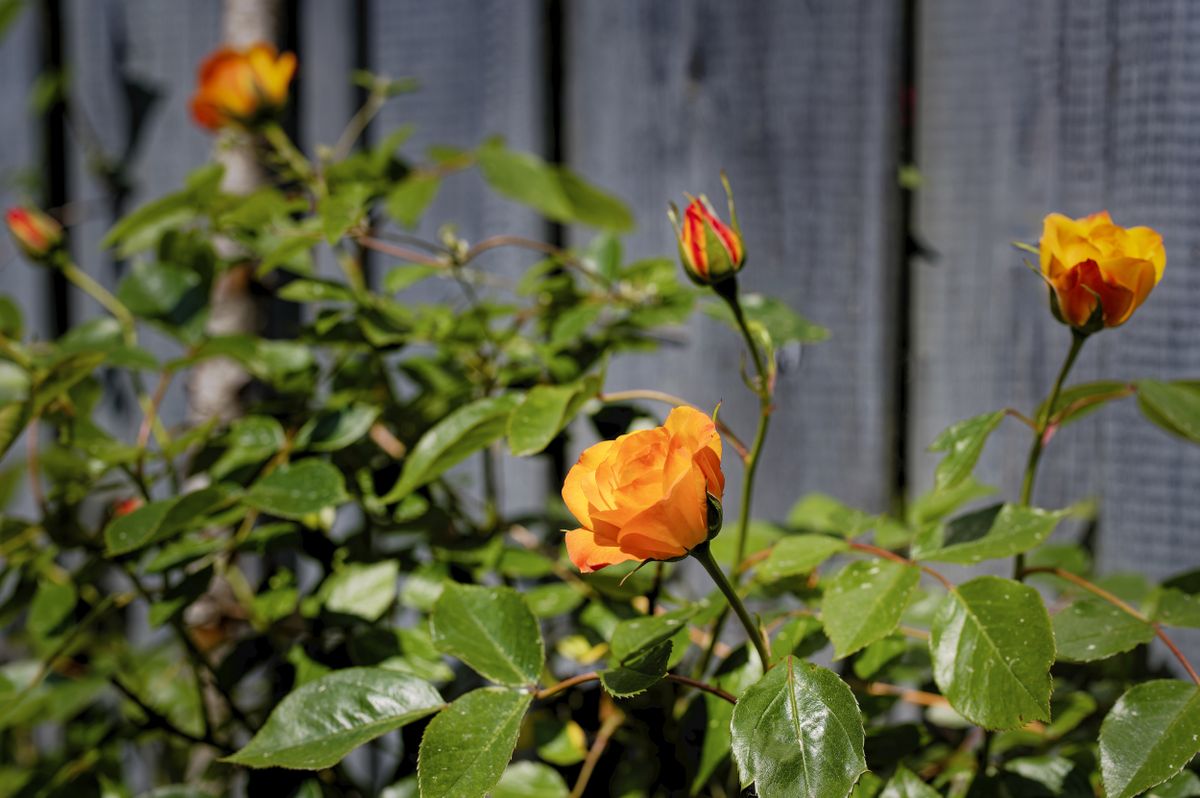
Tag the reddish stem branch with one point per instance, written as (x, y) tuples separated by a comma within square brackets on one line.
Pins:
[(593, 676), (1122, 605), (410, 255), (894, 557)]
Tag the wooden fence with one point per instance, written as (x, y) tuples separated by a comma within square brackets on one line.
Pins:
[(1008, 111)]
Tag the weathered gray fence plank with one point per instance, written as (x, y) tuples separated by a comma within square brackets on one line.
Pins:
[(798, 102), (1032, 107), (479, 64)]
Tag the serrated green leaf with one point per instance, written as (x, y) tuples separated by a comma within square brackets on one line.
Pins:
[(317, 724), (992, 647), (342, 210), (1080, 401), (1185, 785), (1173, 607), (492, 630), (547, 409), (1149, 735), (408, 200), (798, 554), (1090, 630), (864, 603), (555, 192), (963, 443), (459, 435), (465, 748), (333, 429), (797, 732), (1173, 406), (1001, 530), (365, 590), (635, 635), (297, 490), (157, 521), (638, 672)]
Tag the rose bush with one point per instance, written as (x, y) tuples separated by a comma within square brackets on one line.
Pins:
[(327, 593)]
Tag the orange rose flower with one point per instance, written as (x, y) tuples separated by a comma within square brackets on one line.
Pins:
[(1093, 264), (236, 86), (644, 495), (36, 234)]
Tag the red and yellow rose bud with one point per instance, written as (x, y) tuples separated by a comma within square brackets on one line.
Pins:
[(36, 234), (1099, 272), (242, 87), (710, 250), (126, 506), (645, 495)]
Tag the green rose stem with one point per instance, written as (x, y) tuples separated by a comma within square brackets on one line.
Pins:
[(1039, 434), (85, 283), (703, 555)]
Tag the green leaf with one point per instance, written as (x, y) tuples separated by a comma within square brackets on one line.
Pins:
[(342, 210), (638, 672), (160, 520), (906, 784), (798, 554), (963, 443), (547, 409), (554, 599), (735, 675), (299, 489), (636, 635), (1148, 736), (1174, 406), (310, 290), (1085, 398), (992, 647), (1090, 630), (365, 590), (1173, 607), (466, 747), (782, 324), (555, 192), (797, 732), (864, 603), (408, 200), (405, 275), (1184, 785), (317, 724), (51, 605), (818, 512), (143, 227), (459, 435), (490, 629), (1001, 530), (530, 780), (331, 430), (250, 440)]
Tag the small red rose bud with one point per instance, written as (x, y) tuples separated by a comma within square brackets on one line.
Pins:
[(710, 250), (36, 234), (126, 506)]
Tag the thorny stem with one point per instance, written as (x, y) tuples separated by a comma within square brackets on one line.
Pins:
[(1125, 607)]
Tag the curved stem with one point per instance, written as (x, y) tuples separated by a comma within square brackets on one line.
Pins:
[(867, 548), (1039, 434), (1122, 605), (703, 555), (404, 254), (594, 676), (607, 730), (85, 283)]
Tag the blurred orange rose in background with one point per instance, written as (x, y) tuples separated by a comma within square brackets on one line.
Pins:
[(644, 495), (237, 86), (1093, 264)]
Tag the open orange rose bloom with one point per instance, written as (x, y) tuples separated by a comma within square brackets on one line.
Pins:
[(235, 85), (1091, 260), (644, 495)]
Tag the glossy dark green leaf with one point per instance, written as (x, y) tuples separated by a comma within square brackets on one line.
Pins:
[(555, 192), (992, 647), (962, 442), (547, 409), (798, 554), (1173, 406), (1001, 530), (465, 748), (734, 675), (452, 440), (330, 430), (1173, 607), (490, 629), (157, 521), (797, 732), (408, 200), (298, 489), (1090, 630), (52, 604), (1148, 736), (638, 672), (635, 635), (864, 602), (317, 724)]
